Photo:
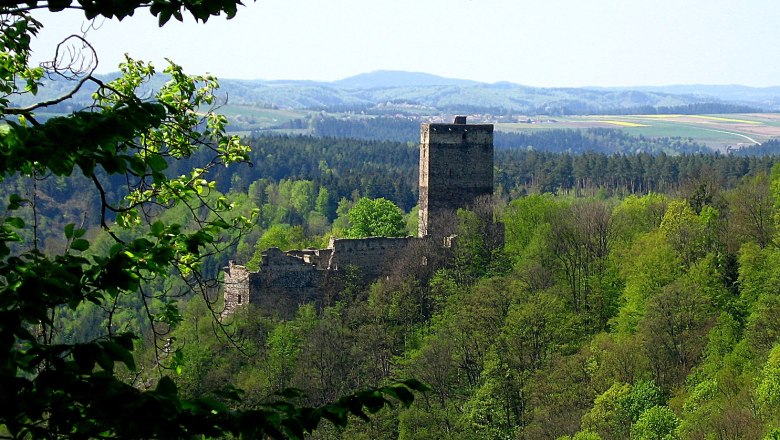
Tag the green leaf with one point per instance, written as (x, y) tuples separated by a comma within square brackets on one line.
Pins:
[(80, 244), (125, 340), (416, 385), (120, 353), (105, 361), (58, 5), (336, 415), (157, 228), (156, 162), (85, 356), (69, 230), (402, 394), (290, 393), (214, 404), (15, 202), (16, 222)]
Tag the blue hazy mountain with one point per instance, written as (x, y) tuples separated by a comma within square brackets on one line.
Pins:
[(397, 78), (398, 91)]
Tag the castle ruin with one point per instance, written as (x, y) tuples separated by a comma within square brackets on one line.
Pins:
[(456, 169)]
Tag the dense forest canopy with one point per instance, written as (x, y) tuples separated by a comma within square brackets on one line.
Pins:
[(606, 314)]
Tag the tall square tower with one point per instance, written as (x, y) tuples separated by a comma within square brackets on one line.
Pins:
[(456, 167)]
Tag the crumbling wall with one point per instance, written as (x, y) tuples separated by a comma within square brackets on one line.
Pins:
[(288, 279), (370, 255), (317, 257), (284, 282)]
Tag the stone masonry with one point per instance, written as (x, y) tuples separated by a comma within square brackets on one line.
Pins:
[(456, 168)]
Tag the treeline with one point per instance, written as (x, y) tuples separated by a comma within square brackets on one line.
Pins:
[(768, 148), (521, 171), (343, 166), (389, 170), (599, 140), (564, 107), (380, 128)]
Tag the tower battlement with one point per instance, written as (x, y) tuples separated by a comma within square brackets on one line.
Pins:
[(456, 168)]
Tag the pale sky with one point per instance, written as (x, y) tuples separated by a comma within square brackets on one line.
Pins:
[(544, 43)]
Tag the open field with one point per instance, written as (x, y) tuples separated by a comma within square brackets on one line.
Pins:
[(716, 131), (258, 118)]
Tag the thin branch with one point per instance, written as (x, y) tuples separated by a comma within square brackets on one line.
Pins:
[(60, 70), (34, 205), (111, 313)]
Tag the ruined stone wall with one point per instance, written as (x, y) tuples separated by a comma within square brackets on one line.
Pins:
[(285, 282), (456, 167), (288, 279), (318, 257), (236, 288), (371, 255)]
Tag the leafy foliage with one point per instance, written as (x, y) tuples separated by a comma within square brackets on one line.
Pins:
[(66, 389), (375, 218)]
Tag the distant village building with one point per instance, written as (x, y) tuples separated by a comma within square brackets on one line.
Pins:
[(456, 170)]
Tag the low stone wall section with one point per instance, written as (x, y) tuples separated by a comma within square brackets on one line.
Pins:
[(371, 255), (285, 282)]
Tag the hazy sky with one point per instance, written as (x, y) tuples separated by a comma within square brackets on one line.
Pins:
[(546, 43)]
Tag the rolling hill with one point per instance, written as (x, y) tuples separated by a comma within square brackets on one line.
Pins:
[(392, 92)]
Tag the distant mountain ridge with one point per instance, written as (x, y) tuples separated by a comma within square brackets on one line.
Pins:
[(388, 90), (398, 78), (765, 96), (393, 92)]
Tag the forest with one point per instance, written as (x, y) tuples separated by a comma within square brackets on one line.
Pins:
[(605, 315), (634, 295)]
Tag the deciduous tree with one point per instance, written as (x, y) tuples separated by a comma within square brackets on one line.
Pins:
[(375, 218)]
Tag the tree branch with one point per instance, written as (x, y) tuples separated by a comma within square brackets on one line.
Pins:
[(59, 70)]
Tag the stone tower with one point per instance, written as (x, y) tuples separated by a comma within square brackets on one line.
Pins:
[(456, 167)]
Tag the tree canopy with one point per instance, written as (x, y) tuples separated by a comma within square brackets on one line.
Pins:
[(375, 218)]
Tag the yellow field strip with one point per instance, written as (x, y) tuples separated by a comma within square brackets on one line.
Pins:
[(623, 123), (716, 118)]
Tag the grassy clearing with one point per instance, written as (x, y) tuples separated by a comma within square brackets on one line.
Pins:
[(248, 117)]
